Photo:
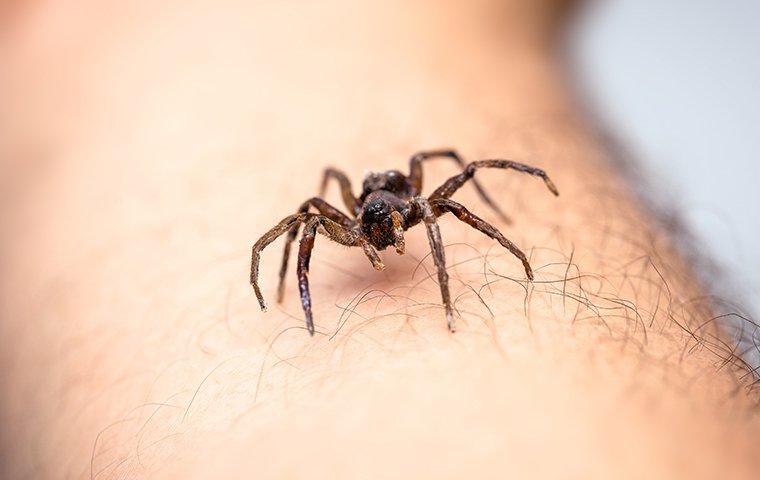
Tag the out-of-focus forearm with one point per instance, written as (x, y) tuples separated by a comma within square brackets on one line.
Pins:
[(134, 346)]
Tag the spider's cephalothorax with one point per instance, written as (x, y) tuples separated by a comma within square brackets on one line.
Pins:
[(377, 218), (389, 204), (385, 206)]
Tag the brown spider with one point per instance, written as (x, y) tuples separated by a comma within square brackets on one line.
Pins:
[(390, 203)]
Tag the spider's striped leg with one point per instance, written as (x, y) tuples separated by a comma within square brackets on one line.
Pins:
[(439, 258), (441, 206)]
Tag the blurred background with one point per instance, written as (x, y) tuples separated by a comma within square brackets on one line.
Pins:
[(676, 83)]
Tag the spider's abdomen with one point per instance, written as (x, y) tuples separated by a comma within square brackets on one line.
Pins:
[(391, 181)]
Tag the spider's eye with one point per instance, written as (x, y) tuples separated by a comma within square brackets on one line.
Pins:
[(376, 211)]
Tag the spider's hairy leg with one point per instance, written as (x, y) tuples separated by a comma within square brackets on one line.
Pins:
[(345, 236), (336, 233), (352, 203), (319, 223), (289, 222), (304, 257), (325, 209), (454, 183), (439, 258), (415, 176), (371, 253), (441, 206)]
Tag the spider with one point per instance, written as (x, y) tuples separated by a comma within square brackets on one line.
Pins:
[(389, 204)]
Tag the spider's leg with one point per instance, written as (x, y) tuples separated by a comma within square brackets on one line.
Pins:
[(415, 176), (336, 233), (370, 252), (442, 206), (331, 229), (436, 248), (325, 209), (352, 203), (304, 257), (286, 224), (454, 183), (346, 236)]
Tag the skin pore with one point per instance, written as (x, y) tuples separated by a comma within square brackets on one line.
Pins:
[(152, 145)]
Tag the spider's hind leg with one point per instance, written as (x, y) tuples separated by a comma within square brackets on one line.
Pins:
[(455, 183), (415, 177), (352, 203)]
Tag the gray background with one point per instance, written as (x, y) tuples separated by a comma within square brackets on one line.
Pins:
[(679, 83)]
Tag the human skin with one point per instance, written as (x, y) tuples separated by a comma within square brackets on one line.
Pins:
[(147, 148)]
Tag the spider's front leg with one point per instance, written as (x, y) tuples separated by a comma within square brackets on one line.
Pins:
[(443, 205), (336, 233), (287, 223), (439, 258), (302, 270), (331, 229), (323, 208)]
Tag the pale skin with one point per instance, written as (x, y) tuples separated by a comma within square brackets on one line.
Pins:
[(150, 146)]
